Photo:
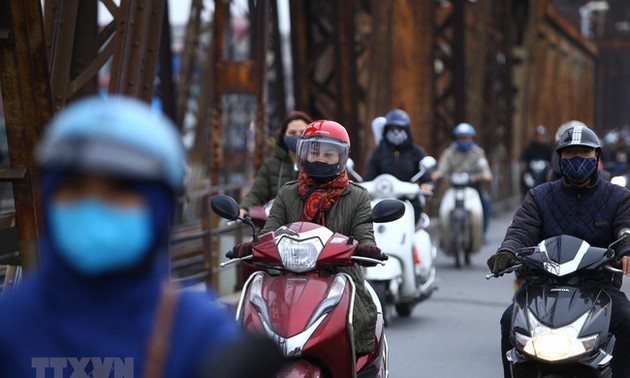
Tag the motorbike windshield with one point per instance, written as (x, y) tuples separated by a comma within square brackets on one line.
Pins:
[(565, 254)]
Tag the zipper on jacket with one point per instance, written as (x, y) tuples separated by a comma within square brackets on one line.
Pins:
[(397, 162)]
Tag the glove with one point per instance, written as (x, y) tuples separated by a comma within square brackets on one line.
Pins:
[(368, 250), (500, 261), (240, 250)]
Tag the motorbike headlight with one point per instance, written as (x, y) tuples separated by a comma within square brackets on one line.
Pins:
[(555, 344), (619, 180), (299, 255)]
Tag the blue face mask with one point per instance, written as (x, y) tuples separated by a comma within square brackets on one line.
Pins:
[(464, 146), (291, 142), (95, 237), (578, 168)]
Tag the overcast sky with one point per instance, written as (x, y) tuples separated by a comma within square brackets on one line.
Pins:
[(179, 11)]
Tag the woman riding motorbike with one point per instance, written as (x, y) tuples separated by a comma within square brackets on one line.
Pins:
[(324, 195), (277, 169)]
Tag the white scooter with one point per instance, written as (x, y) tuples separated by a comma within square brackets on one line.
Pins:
[(461, 219), (408, 277)]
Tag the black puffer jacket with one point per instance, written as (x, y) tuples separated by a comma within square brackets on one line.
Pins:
[(402, 162), (595, 213)]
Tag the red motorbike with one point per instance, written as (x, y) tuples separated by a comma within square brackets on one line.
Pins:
[(309, 314)]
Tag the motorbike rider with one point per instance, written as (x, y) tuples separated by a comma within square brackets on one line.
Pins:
[(581, 204), (464, 155), (539, 149), (397, 155), (324, 195), (111, 171), (279, 168)]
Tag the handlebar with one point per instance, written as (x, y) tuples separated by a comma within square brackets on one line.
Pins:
[(235, 261), (509, 269), (368, 260)]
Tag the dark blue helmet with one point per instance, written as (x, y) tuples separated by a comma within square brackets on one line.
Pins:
[(398, 118)]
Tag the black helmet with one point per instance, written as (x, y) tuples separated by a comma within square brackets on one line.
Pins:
[(577, 134), (397, 117)]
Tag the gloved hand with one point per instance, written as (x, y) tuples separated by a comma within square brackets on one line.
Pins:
[(240, 250), (368, 250), (500, 261)]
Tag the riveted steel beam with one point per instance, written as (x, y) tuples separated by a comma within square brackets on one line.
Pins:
[(28, 107)]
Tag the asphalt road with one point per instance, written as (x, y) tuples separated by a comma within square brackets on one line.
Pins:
[(455, 333)]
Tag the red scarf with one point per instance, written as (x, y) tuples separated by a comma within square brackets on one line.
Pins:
[(322, 198)]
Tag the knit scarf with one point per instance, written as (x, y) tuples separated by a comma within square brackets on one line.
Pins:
[(318, 198)]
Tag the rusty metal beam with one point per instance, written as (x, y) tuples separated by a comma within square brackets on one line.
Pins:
[(450, 76), (324, 62), (136, 47), (28, 107)]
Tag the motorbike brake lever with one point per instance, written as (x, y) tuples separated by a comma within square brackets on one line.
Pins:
[(507, 270), (613, 269), (235, 261), (368, 260)]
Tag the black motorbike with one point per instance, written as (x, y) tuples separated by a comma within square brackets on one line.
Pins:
[(561, 320)]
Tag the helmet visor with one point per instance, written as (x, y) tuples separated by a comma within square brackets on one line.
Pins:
[(323, 149)]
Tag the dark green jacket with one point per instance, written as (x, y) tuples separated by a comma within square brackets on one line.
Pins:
[(274, 172), (352, 206)]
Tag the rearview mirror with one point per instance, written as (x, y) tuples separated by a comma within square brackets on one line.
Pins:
[(428, 163), (225, 206), (624, 232), (387, 211)]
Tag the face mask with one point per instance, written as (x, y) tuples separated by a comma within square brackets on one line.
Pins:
[(321, 171), (95, 238), (464, 146), (578, 168), (291, 142), (396, 137)]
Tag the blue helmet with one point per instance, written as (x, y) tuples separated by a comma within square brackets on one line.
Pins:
[(397, 117), (117, 136), (464, 129)]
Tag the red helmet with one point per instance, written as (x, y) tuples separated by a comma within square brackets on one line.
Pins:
[(323, 150)]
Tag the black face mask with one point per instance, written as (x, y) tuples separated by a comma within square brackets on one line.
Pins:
[(321, 171)]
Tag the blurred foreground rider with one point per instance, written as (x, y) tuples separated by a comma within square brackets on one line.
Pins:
[(110, 173)]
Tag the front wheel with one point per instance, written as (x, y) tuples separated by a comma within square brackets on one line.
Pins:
[(458, 245), (404, 309), (381, 288)]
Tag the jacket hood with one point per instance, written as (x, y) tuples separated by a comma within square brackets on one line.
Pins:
[(150, 273)]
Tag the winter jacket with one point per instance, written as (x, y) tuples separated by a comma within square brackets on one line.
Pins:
[(275, 172), (472, 161), (402, 163), (352, 206), (595, 214)]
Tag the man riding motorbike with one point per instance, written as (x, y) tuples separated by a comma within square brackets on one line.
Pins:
[(397, 155), (464, 155), (324, 195), (538, 151), (580, 204)]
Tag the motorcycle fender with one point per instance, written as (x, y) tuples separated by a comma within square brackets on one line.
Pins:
[(301, 368), (426, 251)]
